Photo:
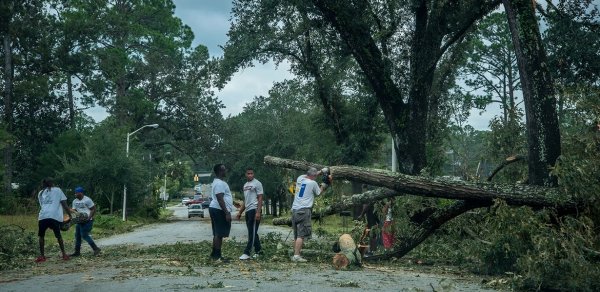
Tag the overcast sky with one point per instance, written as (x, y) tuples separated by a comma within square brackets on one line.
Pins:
[(210, 20)]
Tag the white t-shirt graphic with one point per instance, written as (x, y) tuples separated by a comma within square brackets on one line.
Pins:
[(50, 204), (252, 189), (83, 205), (306, 190)]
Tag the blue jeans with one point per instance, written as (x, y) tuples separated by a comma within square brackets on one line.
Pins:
[(82, 230)]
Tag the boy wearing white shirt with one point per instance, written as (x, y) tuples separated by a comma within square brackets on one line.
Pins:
[(253, 201), (83, 204), (220, 211), (52, 202)]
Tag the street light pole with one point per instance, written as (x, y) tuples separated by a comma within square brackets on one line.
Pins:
[(127, 155), (165, 187)]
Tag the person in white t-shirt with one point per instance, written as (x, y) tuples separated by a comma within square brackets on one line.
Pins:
[(220, 209), (52, 202), (83, 204), (253, 201), (306, 190)]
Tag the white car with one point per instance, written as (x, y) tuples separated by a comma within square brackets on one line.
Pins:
[(185, 200), (195, 210)]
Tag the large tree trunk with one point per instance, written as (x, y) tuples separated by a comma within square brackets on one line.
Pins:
[(513, 194), (8, 110), (470, 196), (355, 32), (71, 101), (543, 136), (427, 227), (344, 204)]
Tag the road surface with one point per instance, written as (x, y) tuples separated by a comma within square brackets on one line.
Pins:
[(155, 273), (184, 230)]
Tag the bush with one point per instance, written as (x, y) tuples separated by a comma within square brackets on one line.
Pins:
[(108, 225), (559, 259), (16, 245), (149, 210), (14, 205)]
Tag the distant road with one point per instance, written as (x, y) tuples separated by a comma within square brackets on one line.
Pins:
[(183, 230)]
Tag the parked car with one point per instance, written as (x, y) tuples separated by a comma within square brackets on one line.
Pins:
[(185, 200), (206, 202), (195, 210), (203, 201)]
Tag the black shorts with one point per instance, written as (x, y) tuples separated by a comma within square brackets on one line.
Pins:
[(372, 219), (220, 226), (49, 223)]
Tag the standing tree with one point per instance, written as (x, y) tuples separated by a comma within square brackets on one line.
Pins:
[(6, 15), (437, 27), (491, 66), (543, 135), (287, 32)]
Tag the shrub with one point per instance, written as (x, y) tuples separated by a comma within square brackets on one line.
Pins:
[(16, 245)]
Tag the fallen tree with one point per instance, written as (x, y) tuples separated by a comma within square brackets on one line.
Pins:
[(344, 204), (513, 194), (468, 195)]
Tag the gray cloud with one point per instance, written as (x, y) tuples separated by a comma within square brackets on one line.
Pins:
[(208, 19)]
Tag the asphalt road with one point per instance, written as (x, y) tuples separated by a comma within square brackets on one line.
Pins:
[(75, 275), (183, 229)]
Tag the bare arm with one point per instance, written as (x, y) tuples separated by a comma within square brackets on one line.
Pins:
[(385, 208), (259, 207), (92, 212), (66, 207), (364, 210), (240, 211)]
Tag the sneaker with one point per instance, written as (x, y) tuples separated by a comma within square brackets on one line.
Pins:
[(256, 255), (40, 259), (65, 257), (298, 259), (96, 252), (244, 257)]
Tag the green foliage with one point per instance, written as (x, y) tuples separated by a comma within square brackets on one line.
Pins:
[(467, 155), (559, 260), (326, 75), (149, 209), (16, 246), (16, 205), (109, 224), (507, 139), (101, 169), (491, 68), (279, 125)]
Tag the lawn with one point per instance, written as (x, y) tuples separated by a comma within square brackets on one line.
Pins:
[(104, 225)]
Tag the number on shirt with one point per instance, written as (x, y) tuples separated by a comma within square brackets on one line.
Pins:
[(301, 193)]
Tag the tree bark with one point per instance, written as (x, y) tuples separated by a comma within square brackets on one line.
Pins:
[(71, 101), (470, 196), (356, 34), (344, 204), (543, 135), (513, 194), (8, 110), (425, 229)]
